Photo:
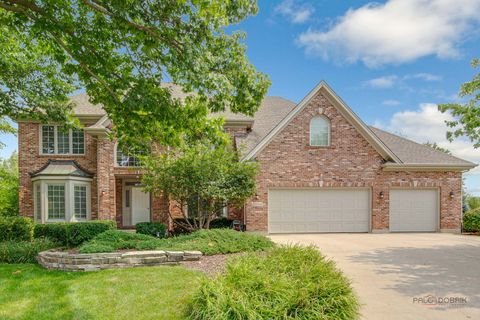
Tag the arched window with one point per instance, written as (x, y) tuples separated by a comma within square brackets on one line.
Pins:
[(319, 131)]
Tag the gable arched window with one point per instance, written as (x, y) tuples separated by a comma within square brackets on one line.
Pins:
[(319, 131)]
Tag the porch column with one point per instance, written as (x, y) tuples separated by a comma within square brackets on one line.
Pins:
[(105, 179)]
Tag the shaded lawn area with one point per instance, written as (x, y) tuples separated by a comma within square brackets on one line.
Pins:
[(28, 291)]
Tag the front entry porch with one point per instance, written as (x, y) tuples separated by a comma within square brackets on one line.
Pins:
[(134, 204)]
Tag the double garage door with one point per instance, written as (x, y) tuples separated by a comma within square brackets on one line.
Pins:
[(348, 210)]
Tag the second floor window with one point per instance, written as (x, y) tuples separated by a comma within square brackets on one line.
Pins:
[(129, 158), (56, 140)]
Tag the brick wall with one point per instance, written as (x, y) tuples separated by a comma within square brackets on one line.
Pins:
[(350, 161)]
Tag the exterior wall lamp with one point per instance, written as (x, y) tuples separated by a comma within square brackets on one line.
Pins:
[(380, 195), (451, 194)]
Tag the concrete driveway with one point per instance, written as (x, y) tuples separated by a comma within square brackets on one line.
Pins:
[(391, 273)]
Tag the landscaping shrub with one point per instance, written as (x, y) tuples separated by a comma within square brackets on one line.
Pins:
[(471, 221), (71, 234), (217, 223), (154, 229), (23, 251), (209, 242), (16, 228), (221, 222), (287, 283)]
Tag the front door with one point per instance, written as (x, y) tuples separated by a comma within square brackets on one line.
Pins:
[(140, 206)]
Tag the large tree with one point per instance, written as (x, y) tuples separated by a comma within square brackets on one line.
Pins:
[(467, 115), (9, 186), (121, 51)]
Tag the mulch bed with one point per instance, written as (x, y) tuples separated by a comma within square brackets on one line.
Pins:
[(211, 265)]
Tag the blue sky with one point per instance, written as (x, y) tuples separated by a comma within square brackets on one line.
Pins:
[(391, 61)]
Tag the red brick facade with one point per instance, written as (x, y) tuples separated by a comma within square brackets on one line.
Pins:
[(287, 161), (350, 161)]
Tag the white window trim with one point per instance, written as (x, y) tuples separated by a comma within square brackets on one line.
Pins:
[(329, 132), (55, 142), (69, 183), (115, 160)]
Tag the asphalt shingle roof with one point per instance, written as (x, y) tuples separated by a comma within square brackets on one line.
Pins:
[(270, 113), (411, 152)]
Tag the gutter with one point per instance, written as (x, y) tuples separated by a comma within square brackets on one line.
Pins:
[(427, 167)]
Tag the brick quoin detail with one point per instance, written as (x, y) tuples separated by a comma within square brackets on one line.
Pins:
[(350, 161)]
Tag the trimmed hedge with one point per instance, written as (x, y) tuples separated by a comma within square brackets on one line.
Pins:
[(471, 221), (72, 234), (16, 228), (24, 251), (155, 229), (290, 282)]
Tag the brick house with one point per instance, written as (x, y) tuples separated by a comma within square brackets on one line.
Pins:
[(321, 170)]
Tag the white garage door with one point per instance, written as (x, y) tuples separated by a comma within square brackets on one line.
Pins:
[(413, 210), (314, 210)]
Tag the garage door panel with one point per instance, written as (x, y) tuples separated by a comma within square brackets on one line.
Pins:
[(314, 210), (413, 210)]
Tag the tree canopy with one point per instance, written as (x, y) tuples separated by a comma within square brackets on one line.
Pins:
[(120, 51), (467, 115), (9, 186), (435, 146)]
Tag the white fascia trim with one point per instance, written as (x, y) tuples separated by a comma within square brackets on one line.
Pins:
[(342, 107), (62, 178), (426, 167)]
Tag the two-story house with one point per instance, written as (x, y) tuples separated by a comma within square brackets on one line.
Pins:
[(321, 170)]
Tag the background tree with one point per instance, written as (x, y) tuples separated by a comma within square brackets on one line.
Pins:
[(467, 116), (120, 51), (435, 146), (202, 176), (9, 186)]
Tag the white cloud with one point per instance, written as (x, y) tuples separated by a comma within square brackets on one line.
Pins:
[(427, 124), (425, 76), (295, 12), (394, 80), (382, 82), (391, 102), (397, 31)]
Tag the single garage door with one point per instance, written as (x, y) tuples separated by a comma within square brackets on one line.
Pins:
[(413, 210), (315, 210)]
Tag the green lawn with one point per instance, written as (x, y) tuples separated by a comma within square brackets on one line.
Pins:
[(28, 291)]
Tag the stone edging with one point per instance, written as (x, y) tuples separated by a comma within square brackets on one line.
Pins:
[(61, 260)]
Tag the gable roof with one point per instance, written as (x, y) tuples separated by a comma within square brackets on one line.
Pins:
[(276, 112), (342, 107)]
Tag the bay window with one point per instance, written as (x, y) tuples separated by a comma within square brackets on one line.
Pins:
[(58, 199)]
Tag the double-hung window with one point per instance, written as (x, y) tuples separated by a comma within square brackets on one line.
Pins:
[(80, 202), (57, 140), (56, 201)]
